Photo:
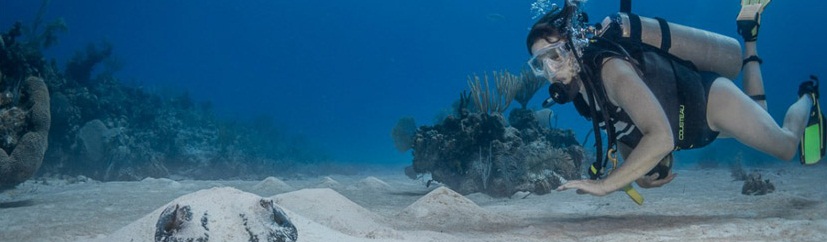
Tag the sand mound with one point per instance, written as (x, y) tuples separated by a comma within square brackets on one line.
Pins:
[(161, 181), (271, 186), (328, 182), (331, 209), (373, 183), (224, 211), (444, 207)]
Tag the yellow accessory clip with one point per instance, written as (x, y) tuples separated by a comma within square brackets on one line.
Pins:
[(629, 189), (633, 194)]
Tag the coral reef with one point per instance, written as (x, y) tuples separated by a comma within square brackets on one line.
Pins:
[(480, 153), (476, 150), (105, 130), (27, 140), (523, 119), (80, 67), (113, 132), (529, 85), (24, 101), (487, 100)]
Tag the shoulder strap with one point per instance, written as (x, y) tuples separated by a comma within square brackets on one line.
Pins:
[(598, 97)]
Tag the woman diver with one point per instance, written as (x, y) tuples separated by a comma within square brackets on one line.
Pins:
[(650, 102)]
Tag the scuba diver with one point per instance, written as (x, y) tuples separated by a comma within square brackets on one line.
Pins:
[(657, 87)]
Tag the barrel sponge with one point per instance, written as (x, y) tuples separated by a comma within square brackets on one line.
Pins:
[(26, 157)]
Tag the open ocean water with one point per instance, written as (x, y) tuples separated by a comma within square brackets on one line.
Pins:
[(337, 75)]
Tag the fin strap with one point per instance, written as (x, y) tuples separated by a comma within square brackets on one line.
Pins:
[(753, 58), (760, 97), (748, 29)]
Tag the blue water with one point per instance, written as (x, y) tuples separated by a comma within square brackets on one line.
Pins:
[(341, 73)]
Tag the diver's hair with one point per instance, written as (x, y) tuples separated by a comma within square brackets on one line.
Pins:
[(554, 24)]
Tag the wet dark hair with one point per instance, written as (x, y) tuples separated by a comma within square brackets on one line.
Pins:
[(554, 24)]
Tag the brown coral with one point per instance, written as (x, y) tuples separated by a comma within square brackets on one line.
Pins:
[(25, 158)]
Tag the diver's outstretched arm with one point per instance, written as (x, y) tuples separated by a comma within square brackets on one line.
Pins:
[(749, 20)]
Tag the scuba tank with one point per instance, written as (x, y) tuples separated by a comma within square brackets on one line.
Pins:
[(708, 51)]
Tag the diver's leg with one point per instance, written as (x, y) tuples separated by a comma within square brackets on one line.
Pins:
[(748, 22), (736, 115), (753, 81)]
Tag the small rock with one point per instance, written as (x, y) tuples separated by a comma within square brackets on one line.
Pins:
[(520, 195), (754, 185)]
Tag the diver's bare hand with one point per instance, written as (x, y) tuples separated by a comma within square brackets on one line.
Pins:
[(652, 182), (592, 187)]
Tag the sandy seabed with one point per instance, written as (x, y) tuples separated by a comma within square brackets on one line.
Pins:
[(699, 205)]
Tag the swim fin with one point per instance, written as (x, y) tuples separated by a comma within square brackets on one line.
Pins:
[(749, 18), (813, 141), (752, 9)]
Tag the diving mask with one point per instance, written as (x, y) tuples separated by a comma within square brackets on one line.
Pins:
[(552, 57)]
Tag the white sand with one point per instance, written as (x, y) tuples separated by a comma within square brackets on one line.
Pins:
[(700, 205)]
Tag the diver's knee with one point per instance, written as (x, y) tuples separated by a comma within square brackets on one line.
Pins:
[(786, 156), (788, 153)]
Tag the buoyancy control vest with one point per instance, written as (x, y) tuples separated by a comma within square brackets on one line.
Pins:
[(680, 86), (680, 89)]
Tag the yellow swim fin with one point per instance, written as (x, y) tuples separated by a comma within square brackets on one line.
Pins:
[(813, 141), (752, 9), (749, 19)]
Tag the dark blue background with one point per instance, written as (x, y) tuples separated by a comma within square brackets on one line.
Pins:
[(342, 72)]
